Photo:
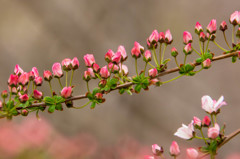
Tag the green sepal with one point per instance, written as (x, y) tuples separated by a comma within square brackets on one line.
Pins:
[(234, 59), (49, 100), (138, 88), (93, 105), (59, 106), (166, 61), (199, 60), (51, 108), (207, 55)]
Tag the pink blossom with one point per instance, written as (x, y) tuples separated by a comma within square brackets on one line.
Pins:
[(157, 150), (89, 60), (92, 74), (235, 18), (66, 64), (137, 50), (210, 105), (152, 72), (75, 63), (174, 149), (57, 70), (198, 28), (149, 157), (123, 52), (192, 153), (117, 57), (66, 92), (96, 68), (47, 75), (18, 70), (37, 94), (185, 132), (206, 64), (187, 37), (23, 98), (86, 76), (104, 73), (212, 26), (147, 56), (187, 49), (24, 112), (161, 37), (213, 132), (109, 55), (206, 121), (13, 80), (14, 89), (114, 68), (174, 52), (0, 104), (38, 81), (35, 71), (197, 121), (223, 26), (23, 79), (154, 37), (202, 37), (31, 75), (4, 94), (99, 95), (155, 81), (124, 69), (168, 37)]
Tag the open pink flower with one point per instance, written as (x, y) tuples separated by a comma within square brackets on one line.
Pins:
[(210, 105), (185, 132), (192, 153), (187, 37), (57, 70), (213, 132), (212, 26)]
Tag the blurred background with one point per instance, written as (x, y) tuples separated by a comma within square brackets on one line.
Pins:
[(39, 33)]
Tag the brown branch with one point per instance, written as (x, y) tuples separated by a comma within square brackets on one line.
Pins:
[(128, 84)]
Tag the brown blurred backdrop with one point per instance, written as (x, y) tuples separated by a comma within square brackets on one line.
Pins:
[(39, 33)]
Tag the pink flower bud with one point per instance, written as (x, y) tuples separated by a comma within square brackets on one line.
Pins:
[(31, 75), (92, 74), (47, 75), (192, 153), (206, 121), (123, 52), (152, 72), (206, 64), (213, 132), (197, 122), (137, 50), (155, 81), (13, 80), (187, 49), (168, 37), (23, 79), (157, 150), (223, 26), (235, 18), (66, 92), (102, 83), (37, 94), (109, 55), (202, 37), (104, 73), (198, 28), (23, 98), (114, 68), (66, 64), (117, 57), (124, 69), (17, 70), (211, 37), (147, 56), (174, 52), (75, 63), (161, 37), (212, 26), (86, 76), (99, 95), (174, 149), (14, 90), (4, 94), (96, 68), (149, 157), (57, 70), (38, 81), (35, 71), (1, 104), (187, 37), (24, 112), (153, 38), (89, 60)]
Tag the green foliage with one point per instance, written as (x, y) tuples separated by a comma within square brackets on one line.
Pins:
[(92, 97), (54, 103), (187, 70), (206, 55), (141, 82), (111, 84)]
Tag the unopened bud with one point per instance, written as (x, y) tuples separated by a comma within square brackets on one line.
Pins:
[(202, 37), (157, 150), (206, 122), (206, 64), (102, 83), (24, 112), (174, 52), (4, 94), (223, 26)]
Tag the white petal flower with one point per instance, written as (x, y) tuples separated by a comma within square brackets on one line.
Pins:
[(185, 132)]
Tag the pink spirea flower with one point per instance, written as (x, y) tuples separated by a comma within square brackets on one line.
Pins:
[(212, 26), (174, 149), (18, 70), (89, 60), (185, 132), (66, 92), (210, 105), (57, 70), (213, 132), (187, 37), (192, 153)]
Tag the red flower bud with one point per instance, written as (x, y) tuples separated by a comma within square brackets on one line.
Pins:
[(202, 37), (153, 38), (86, 76), (235, 18), (96, 68), (187, 49), (4, 94), (198, 28), (31, 75), (161, 37), (23, 79), (147, 56), (99, 95), (157, 150), (24, 112), (223, 26), (109, 55), (124, 69), (213, 132), (206, 121), (206, 64), (92, 74), (174, 52), (168, 37), (137, 50), (117, 57), (123, 52), (35, 71), (152, 72), (174, 149)]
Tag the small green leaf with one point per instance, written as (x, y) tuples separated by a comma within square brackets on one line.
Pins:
[(121, 91), (234, 59), (95, 90), (199, 60), (166, 61), (48, 100), (59, 99), (93, 105), (138, 88), (129, 92), (59, 106), (188, 68), (51, 108)]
